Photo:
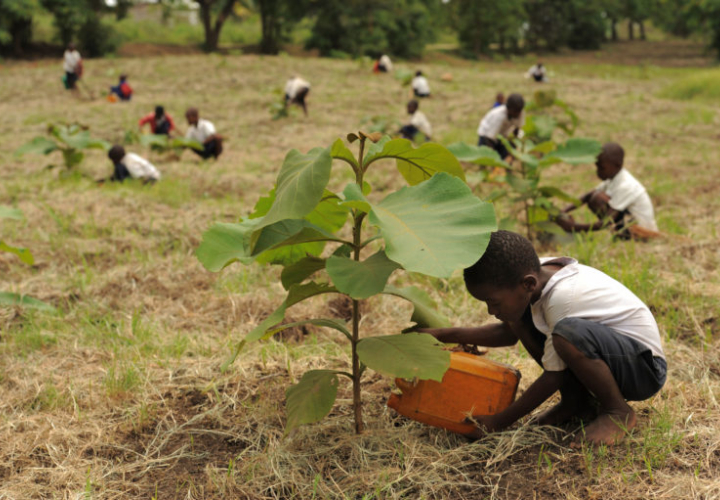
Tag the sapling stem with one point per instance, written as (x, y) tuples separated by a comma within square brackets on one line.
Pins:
[(357, 245)]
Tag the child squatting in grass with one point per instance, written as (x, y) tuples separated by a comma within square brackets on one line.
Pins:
[(593, 337), (618, 197)]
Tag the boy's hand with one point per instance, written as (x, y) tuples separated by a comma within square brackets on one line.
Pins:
[(566, 222), (484, 424)]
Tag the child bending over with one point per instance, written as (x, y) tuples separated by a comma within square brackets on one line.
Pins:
[(418, 123), (160, 122), (204, 132), (503, 120), (620, 201), (296, 90), (123, 89), (592, 336), (420, 85), (130, 165)]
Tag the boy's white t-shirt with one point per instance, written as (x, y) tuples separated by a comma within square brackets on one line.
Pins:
[(420, 121), (626, 193), (295, 85), (139, 167), (421, 85), (71, 58), (578, 291), (496, 122), (201, 131)]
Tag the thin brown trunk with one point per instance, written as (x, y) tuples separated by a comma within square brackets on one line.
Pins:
[(642, 30), (631, 30)]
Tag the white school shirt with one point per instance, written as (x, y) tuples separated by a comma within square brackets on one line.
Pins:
[(294, 86), (139, 167), (626, 193), (201, 131), (420, 121), (71, 58), (496, 122), (386, 62), (535, 70), (421, 85), (578, 291)]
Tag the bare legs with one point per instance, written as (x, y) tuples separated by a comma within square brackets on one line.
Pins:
[(616, 416)]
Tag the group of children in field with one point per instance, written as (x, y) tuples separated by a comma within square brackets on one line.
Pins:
[(597, 342), (132, 166)]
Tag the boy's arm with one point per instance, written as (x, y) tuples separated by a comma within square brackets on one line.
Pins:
[(494, 335), (545, 386), (583, 201)]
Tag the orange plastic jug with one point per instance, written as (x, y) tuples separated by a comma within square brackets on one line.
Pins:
[(472, 385)]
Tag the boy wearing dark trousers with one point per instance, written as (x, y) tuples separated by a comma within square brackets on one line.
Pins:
[(203, 131), (593, 337)]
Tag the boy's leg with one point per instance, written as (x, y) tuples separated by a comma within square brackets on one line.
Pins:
[(408, 132), (614, 368), (574, 398)]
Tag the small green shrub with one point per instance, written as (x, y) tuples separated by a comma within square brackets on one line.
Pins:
[(69, 139), (700, 85)]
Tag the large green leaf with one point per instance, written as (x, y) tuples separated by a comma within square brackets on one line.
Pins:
[(360, 279), (373, 149), (311, 399), (341, 152), (355, 198), (14, 299), (160, 140), (419, 164), (77, 140), (412, 355), (22, 253), (335, 324), (435, 227), (424, 314), (552, 191), (224, 244), (329, 215), (183, 142), (300, 185), (575, 151), (540, 127), (480, 155), (297, 293), (289, 232), (10, 213), (301, 270), (39, 145)]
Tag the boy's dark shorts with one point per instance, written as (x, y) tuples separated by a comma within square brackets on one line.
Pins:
[(494, 144), (70, 79), (638, 373)]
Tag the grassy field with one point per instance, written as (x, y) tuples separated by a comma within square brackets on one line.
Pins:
[(119, 393)]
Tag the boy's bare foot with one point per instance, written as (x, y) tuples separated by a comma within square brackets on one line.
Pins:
[(558, 414), (608, 428)]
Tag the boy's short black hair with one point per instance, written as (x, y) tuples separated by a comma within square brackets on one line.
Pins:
[(116, 153), (613, 153), (515, 101), (418, 73), (509, 257), (159, 111), (413, 103)]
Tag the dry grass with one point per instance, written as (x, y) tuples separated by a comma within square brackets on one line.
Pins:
[(119, 395)]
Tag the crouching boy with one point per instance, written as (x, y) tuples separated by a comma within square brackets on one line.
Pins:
[(203, 131), (504, 120), (620, 201), (130, 165), (593, 337)]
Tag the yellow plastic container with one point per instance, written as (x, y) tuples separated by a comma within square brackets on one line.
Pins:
[(472, 385)]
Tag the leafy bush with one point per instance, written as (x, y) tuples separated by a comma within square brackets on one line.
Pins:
[(546, 113), (434, 226), (96, 38)]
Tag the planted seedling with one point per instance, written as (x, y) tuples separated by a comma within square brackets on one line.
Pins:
[(522, 182), (433, 226), (25, 256), (70, 139)]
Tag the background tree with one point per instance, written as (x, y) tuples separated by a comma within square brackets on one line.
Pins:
[(548, 23), (587, 25), (399, 27), (636, 12), (16, 24), (221, 10), (277, 18)]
